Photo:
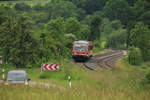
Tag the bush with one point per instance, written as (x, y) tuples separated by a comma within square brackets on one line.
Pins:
[(135, 56), (22, 7), (147, 78), (102, 43), (117, 39), (58, 75), (141, 39), (52, 75), (44, 75)]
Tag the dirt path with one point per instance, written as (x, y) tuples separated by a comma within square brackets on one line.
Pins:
[(36, 84)]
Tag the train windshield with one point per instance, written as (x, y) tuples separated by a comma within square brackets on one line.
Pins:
[(80, 48)]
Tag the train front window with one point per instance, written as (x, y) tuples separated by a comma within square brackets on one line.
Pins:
[(80, 48)]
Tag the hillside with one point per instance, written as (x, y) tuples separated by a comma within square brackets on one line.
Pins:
[(37, 32)]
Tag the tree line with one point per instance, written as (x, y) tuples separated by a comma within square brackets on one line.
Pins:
[(35, 33)]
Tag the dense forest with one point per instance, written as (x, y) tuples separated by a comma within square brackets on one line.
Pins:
[(35, 33)]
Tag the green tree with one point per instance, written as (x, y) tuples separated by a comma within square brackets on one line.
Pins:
[(145, 18), (39, 7), (85, 32), (90, 6), (107, 27), (72, 25), (22, 7), (140, 7), (118, 10), (55, 39), (140, 35), (62, 9), (17, 42), (117, 39), (56, 28), (131, 2), (95, 22), (135, 56)]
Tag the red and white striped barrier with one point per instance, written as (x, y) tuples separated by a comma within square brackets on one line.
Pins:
[(52, 67)]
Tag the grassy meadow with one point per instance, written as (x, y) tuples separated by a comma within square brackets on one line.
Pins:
[(121, 83)]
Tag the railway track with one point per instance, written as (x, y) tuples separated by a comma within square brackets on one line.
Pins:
[(106, 60)]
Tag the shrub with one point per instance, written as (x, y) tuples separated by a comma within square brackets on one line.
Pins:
[(147, 78), (44, 75), (52, 75), (59, 75), (135, 56), (117, 39)]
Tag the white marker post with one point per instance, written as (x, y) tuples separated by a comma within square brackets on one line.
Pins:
[(69, 79), (3, 75), (125, 53)]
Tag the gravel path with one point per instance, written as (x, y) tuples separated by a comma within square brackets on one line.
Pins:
[(106, 60)]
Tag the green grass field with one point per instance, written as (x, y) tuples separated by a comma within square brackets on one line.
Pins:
[(121, 83)]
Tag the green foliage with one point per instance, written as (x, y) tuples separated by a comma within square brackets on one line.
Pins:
[(18, 45), (140, 6), (124, 78), (89, 6), (56, 38), (107, 27), (94, 22), (70, 38), (118, 9), (58, 75), (39, 7), (141, 9), (102, 43), (22, 7), (2, 18), (61, 8), (147, 78), (141, 38), (85, 32), (51, 75), (117, 39), (112, 34), (131, 2), (53, 26), (73, 26), (145, 18), (56, 28), (135, 56), (44, 76)]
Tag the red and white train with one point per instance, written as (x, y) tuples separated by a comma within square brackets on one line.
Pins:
[(82, 50)]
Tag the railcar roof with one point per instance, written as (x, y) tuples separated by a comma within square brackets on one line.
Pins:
[(81, 41), (17, 71)]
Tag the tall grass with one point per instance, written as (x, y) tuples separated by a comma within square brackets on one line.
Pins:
[(120, 83)]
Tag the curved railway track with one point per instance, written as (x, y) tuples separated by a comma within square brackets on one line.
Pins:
[(106, 60)]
